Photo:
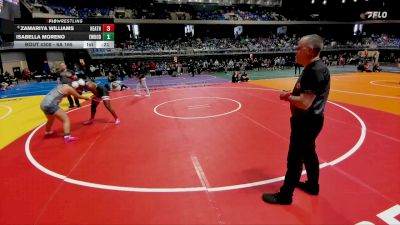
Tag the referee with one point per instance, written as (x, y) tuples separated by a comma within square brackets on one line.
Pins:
[(307, 103)]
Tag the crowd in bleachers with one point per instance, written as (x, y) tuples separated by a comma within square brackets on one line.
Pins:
[(225, 13), (82, 13), (384, 40), (73, 11), (144, 13), (161, 12), (272, 43), (200, 46), (237, 14), (252, 44)]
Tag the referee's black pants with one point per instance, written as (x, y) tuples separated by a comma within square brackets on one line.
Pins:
[(304, 131)]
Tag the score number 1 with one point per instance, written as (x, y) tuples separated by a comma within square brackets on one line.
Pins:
[(108, 36)]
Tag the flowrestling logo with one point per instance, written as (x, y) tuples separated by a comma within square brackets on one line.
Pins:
[(374, 15)]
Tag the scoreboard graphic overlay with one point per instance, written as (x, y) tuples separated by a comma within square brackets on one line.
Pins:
[(70, 33)]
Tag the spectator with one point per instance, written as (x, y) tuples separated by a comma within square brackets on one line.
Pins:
[(235, 77), (92, 74), (341, 61), (26, 74), (244, 77), (179, 68), (377, 68), (3, 82), (297, 67), (141, 80), (191, 67)]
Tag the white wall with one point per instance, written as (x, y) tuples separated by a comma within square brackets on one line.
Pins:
[(13, 59), (54, 58)]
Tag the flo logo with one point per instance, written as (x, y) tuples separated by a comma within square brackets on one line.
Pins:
[(376, 15)]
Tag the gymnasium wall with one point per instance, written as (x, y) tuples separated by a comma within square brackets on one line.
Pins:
[(13, 59)]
